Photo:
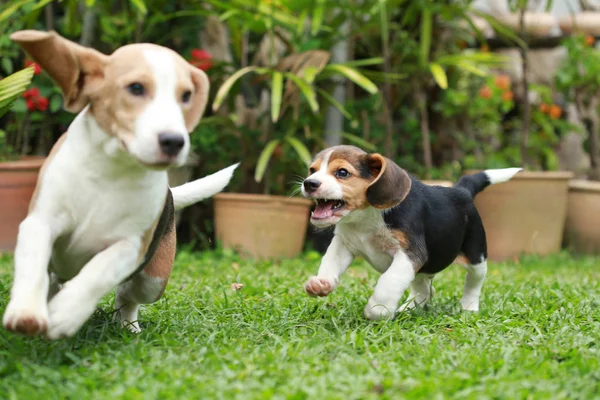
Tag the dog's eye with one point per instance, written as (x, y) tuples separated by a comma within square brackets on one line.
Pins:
[(312, 171), (136, 89), (186, 96), (342, 173)]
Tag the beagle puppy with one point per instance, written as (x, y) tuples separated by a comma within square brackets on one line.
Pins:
[(406, 230), (102, 214)]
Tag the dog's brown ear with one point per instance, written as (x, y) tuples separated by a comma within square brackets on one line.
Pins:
[(201, 89), (391, 184), (78, 70)]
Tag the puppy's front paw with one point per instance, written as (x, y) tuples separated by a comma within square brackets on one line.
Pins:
[(470, 304), (67, 312), (27, 319), (375, 310), (320, 286)]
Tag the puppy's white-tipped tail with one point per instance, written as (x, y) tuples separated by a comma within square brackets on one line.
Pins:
[(501, 175), (200, 189)]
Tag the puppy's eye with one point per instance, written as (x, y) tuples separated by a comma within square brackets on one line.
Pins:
[(186, 96), (136, 89), (342, 173), (312, 171)]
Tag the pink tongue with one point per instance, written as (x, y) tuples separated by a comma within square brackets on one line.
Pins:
[(323, 210)]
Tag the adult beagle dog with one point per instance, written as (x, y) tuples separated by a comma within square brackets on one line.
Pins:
[(102, 214), (406, 230)]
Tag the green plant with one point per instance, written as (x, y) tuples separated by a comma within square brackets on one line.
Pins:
[(579, 80), (11, 88)]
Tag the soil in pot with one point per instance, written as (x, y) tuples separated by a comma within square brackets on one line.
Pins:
[(525, 215), (261, 226), (582, 229), (17, 184)]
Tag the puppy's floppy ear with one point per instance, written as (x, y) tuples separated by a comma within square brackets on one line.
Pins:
[(78, 70), (391, 184), (201, 89)]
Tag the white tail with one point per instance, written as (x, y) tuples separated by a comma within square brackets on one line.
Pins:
[(501, 175), (200, 189)]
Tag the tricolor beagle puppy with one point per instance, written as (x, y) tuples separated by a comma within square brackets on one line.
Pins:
[(406, 230), (102, 215)]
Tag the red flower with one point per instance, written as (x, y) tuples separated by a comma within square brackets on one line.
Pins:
[(41, 103), (485, 92), (201, 59), (30, 105), (36, 68), (31, 93)]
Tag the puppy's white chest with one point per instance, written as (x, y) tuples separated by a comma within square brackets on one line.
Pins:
[(371, 243)]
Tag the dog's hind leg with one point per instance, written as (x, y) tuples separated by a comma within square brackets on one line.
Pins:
[(475, 250), (421, 291), (148, 285)]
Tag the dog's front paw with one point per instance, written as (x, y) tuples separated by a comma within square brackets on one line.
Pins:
[(470, 304), (27, 319), (67, 312), (320, 286), (375, 310)]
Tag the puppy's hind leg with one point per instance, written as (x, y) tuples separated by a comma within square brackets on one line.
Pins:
[(475, 250), (148, 285), (421, 291)]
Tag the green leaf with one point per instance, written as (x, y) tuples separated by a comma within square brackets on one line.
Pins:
[(300, 149), (439, 75), (228, 84), (10, 10), (263, 159), (55, 103), (335, 103), (140, 5), (359, 141), (354, 76), (276, 94), (317, 18), (364, 62), (7, 65), (12, 87), (307, 91), (426, 21), (467, 66), (90, 3), (41, 4)]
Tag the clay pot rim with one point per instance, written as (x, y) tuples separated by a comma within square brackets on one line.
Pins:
[(582, 185), (25, 164), (262, 198), (542, 175)]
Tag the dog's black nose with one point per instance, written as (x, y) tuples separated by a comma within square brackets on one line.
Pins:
[(171, 143), (310, 185)]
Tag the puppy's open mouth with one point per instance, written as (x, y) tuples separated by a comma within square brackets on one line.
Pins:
[(325, 208)]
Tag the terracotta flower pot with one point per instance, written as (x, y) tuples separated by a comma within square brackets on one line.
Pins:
[(536, 23), (261, 226), (17, 183), (525, 215), (582, 229), (587, 22)]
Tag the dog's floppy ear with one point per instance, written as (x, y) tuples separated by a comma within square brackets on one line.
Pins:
[(391, 184), (201, 89), (78, 70)]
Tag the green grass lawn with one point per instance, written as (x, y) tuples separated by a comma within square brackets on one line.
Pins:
[(537, 336)]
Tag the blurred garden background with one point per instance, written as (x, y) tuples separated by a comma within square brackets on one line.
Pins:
[(440, 87)]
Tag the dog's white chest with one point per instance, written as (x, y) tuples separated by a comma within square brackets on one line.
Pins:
[(370, 242), (100, 211)]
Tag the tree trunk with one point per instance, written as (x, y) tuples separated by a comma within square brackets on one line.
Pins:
[(426, 140), (334, 120), (526, 105)]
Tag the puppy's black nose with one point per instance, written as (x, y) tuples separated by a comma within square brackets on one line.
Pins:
[(171, 143), (310, 185)]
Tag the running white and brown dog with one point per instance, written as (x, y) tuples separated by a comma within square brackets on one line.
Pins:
[(406, 230), (102, 215)]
